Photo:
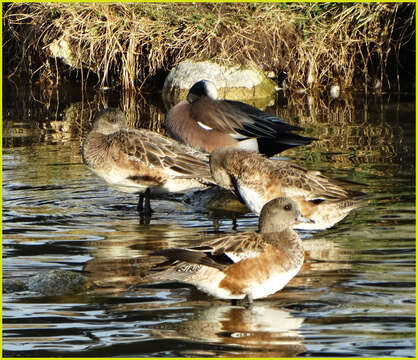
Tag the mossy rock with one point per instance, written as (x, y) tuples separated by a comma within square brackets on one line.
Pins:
[(51, 283), (59, 282)]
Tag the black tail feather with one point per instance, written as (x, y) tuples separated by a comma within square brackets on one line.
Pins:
[(270, 147)]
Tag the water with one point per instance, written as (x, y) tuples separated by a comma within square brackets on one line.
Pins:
[(355, 295)]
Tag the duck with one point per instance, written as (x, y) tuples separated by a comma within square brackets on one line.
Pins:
[(242, 266), (256, 180), (204, 122), (140, 161)]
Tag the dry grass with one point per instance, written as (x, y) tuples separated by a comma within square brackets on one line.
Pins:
[(126, 44)]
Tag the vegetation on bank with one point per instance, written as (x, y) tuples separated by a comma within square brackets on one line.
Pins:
[(356, 45)]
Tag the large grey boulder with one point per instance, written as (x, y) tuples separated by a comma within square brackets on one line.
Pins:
[(233, 82)]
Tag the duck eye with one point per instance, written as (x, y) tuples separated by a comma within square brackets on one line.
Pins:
[(288, 207)]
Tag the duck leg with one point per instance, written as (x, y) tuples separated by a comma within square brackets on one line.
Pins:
[(144, 207), (140, 205), (246, 302), (147, 210), (144, 203), (234, 223), (215, 224)]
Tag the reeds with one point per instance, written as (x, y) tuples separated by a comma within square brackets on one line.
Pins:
[(316, 44)]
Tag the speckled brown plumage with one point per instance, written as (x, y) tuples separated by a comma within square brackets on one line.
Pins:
[(133, 160), (256, 180), (243, 264)]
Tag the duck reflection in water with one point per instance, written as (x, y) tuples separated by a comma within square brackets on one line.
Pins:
[(243, 266), (140, 161), (264, 329)]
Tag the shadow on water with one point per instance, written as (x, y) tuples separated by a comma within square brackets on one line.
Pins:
[(355, 295)]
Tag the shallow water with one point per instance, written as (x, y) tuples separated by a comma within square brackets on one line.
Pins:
[(355, 295)]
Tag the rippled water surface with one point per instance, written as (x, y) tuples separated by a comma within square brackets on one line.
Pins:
[(355, 295)]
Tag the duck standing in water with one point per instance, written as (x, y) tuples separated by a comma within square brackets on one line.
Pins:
[(245, 265), (256, 180), (141, 161), (206, 123)]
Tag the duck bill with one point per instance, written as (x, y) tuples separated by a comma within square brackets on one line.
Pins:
[(302, 219)]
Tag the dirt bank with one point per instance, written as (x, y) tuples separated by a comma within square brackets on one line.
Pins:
[(355, 45)]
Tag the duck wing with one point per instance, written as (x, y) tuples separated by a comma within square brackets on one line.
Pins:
[(156, 151), (217, 253), (255, 121), (240, 120), (238, 246), (297, 181)]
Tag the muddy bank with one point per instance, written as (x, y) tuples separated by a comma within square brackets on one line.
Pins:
[(361, 45)]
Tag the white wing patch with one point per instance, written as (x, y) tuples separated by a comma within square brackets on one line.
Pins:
[(236, 257), (203, 126), (237, 136)]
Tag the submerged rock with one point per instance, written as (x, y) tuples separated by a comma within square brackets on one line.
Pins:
[(51, 283), (12, 285), (233, 82), (215, 199)]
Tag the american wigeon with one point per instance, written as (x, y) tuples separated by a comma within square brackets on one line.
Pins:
[(256, 180), (246, 265), (206, 123), (142, 161)]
